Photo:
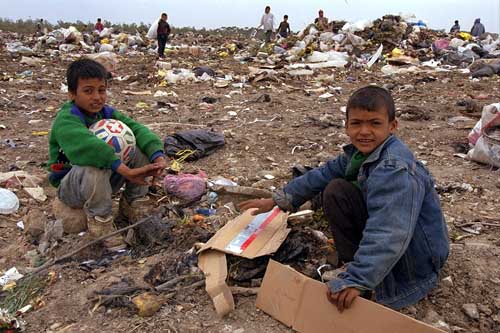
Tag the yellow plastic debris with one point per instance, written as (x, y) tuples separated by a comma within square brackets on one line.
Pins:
[(104, 41), (223, 54), (40, 133), (465, 35), (161, 73), (142, 105), (396, 52)]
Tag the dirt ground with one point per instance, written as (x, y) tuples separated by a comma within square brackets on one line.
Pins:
[(294, 127)]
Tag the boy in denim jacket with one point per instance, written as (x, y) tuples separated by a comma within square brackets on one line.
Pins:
[(383, 210)]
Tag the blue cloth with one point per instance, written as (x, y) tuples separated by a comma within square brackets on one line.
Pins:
[(405, 242)]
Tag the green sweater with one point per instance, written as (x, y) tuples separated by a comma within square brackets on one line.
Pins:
[(71, 143)]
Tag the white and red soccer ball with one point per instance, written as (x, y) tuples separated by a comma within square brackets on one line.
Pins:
[(117, 135)]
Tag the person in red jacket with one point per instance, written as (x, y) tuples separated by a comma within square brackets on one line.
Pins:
[(99, 26)]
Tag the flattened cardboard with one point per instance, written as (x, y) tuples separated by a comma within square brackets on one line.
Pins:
[(213, 264), (300, 302), (267, 241), (212, 258)]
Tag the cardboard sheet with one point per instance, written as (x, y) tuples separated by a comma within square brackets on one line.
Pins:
[(300, 302), (246, 236)]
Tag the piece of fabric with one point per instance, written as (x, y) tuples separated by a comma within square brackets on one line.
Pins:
[(345, 210), (91, 188), (71, 142), (405, 242)]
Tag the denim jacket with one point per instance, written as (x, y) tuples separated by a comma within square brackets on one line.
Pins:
[(405, 241)]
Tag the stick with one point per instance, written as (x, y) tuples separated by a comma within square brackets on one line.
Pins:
[(52, 262), (174, 281), (244, 291)]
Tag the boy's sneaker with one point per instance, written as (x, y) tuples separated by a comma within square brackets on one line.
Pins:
[(99, 226), (74, 220)]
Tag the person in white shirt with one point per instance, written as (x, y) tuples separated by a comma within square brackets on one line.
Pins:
[(267, 22)]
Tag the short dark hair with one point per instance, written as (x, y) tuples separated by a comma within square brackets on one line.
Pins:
[(286, 16), (163, 14), (99, 19), (268, 7), (84, 69), (372, 98), (456, 21)]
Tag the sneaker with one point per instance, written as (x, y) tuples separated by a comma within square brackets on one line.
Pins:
[(74, 220), (99, 226)]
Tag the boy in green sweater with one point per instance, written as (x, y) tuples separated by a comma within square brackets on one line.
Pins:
[(85, 169)]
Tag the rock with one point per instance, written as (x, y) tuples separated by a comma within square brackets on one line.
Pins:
[(470, 309), (496, 301), (434, 319), (34, 223), (73, 220), (447, 282), (239, 330)]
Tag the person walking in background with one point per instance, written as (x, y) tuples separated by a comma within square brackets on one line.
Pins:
[(267, 23), (284, 28), (455, 28), (477, 29), (162, 33)]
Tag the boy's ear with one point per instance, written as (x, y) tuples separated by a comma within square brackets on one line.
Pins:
[(71, 95), (394, 126)]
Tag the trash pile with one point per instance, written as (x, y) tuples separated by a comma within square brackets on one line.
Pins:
[(403, 47)]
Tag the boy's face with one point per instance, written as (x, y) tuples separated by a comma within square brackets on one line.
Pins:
[(368, 129), (90, 94), (164, 17)]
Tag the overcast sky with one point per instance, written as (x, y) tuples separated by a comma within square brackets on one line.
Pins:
[(439, 14)]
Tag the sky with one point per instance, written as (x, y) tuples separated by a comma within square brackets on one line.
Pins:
[(439, 14)]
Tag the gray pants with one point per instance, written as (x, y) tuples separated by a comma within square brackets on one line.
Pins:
[(268, 35), (91, 188)]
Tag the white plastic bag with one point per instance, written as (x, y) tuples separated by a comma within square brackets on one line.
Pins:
[(486, 149), (152, 32)]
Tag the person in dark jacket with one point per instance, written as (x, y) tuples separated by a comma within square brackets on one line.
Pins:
[(477, 29), (455, 28), (382, 207), (162, 32)]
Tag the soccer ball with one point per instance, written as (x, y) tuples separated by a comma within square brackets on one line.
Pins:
[(117, 135)]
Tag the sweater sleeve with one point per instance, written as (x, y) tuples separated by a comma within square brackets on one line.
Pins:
[(80, 146), (148, 142)]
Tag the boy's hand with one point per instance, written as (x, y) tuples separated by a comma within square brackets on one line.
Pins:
[(344, 298), (262, 205), (162, 163), (139, 175)]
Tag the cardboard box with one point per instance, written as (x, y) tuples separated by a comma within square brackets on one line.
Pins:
[(246, 236), (300, 303)]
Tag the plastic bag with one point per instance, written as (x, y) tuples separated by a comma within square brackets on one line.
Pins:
[(485, 137), (202, 142), (152, 32), (186, 186)]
